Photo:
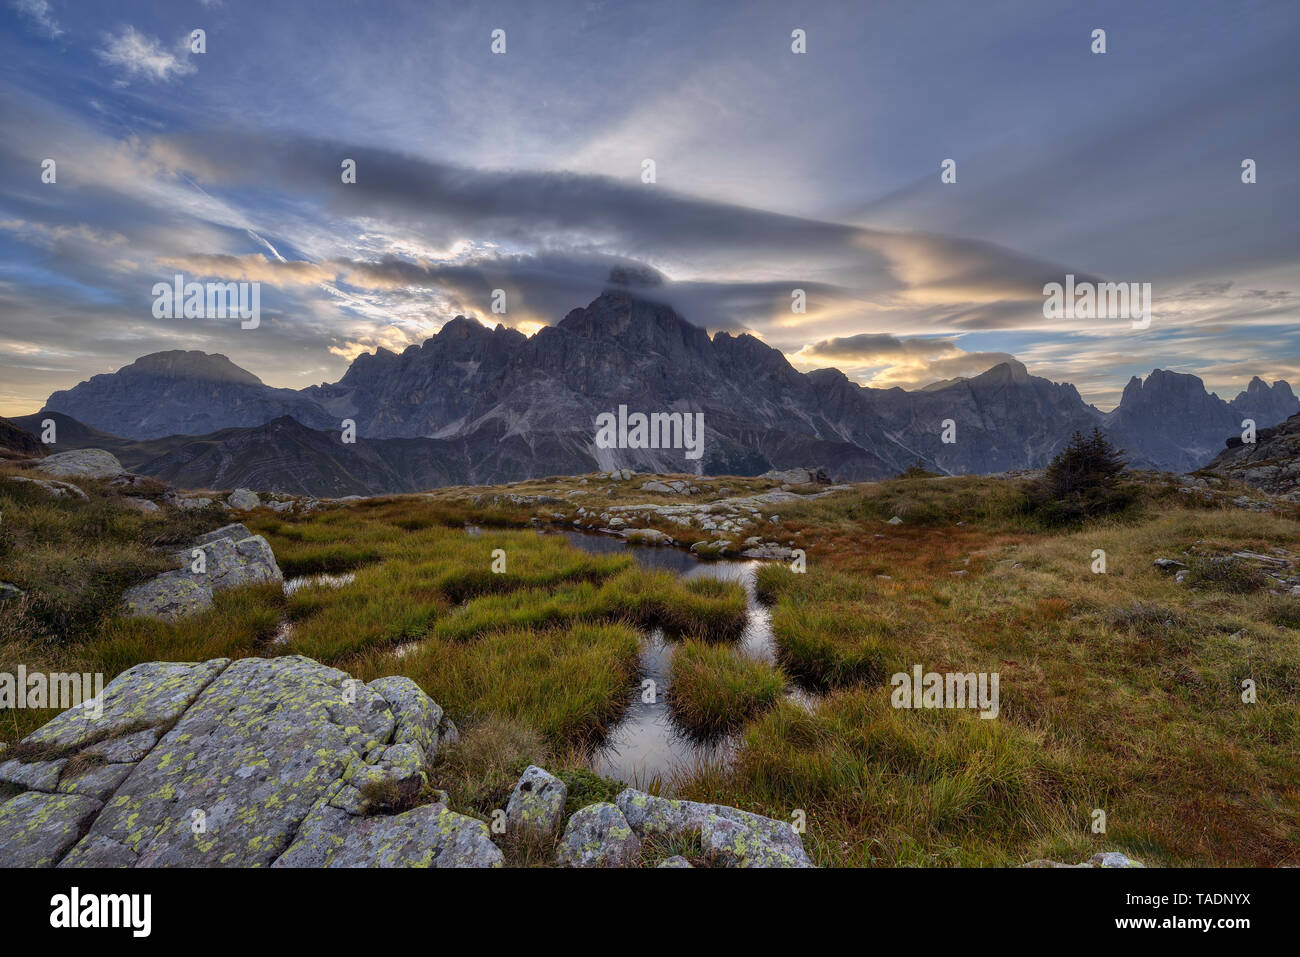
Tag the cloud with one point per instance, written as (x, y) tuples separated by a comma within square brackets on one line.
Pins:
[(39, 12), (884, 361), (140, 55)]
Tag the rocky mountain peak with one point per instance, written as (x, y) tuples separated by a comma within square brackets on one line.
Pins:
[(192, 365)]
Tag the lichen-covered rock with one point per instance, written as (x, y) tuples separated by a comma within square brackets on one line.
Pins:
[(36, 775), (231, 563), (428, 836), (733, 837), (243, 499), (168, 597), (599, 836), (418, 716), (398, 774), (82, 463), (230, 557), (1105, 859), (36, 829), (97, 781), (732, 844), (675, 861), (231, 782), (147, 695), (537, 803)]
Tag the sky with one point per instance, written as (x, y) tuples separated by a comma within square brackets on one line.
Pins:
[(524, 171)]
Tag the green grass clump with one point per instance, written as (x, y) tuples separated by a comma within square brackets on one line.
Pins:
[(1224, 574), (715, 690)]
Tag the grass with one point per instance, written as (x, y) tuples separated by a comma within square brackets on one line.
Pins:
[(1121, 691), (716, 691)]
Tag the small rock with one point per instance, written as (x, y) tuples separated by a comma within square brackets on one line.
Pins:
[(537, 803), (676, 861), (895, 521)]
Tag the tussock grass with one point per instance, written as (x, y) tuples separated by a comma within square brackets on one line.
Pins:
[(715, 691), (569, 683)]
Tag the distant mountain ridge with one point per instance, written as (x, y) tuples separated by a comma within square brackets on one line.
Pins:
[(492, 405)]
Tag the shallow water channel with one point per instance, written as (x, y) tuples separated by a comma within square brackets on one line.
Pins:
[(646, 745)]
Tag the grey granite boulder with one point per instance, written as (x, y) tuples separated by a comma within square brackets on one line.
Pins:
[(168, 597), (243, 499), (599, 836), (231, 782), (81, 463), (250, 763), (730, 836), (229, 557), (537, 803), (36, 829), (418, 716), (428, 836)]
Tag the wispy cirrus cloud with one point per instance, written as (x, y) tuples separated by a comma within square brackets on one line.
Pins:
[(41, 15), (137, 55)]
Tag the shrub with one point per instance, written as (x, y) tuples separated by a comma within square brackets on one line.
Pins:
[(1082, 482)]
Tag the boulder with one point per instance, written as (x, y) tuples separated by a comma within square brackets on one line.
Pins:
[(243, 499), (647, 536), (429, 836), (599, 836), (537, 804), (82, 463), (168, 597), (36, 829), (731, 837)]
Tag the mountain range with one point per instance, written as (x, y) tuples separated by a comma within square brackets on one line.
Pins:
[(474, 405)]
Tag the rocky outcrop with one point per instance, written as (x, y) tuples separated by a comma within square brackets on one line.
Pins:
[(82, 463), (1271, 462), (230, 764), (229, 557), (275, 762)]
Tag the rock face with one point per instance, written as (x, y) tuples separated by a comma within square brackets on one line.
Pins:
[(1271, 463), (82, 463), (229, 557), (229, 764)]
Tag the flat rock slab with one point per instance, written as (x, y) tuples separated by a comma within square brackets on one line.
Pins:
[(230, 784), (428, 836), (147, 695), (39, 828)]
